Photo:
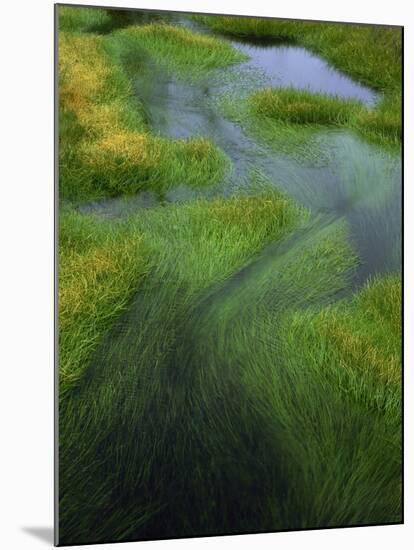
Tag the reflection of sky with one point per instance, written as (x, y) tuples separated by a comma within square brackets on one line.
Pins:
[(293, 66)]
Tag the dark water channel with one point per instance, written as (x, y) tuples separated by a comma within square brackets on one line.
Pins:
[(332, 172)]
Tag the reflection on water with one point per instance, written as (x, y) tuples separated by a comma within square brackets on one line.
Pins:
[(334, 171), (293, 66)]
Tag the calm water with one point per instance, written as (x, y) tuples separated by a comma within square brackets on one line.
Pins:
[(332, 172), (292, 66)]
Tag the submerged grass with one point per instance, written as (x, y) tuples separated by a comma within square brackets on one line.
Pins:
[(191, 246), (371, 54), (205, 408), (101, 261), (332, 429), (342, 443)]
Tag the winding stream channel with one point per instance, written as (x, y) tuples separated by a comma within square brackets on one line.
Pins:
[(334, 172)]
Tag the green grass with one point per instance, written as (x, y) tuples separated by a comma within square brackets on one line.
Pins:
[(102, 261), (302, 107), (284, 105), (326, 385), (191, 246), (363, 337), (75, 19), (106, 148), (100, 264), (297, 107), (370, 54), (344, 363), (179, 50), (383, 124)]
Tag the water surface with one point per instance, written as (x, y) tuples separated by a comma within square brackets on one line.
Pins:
[(294, 66)]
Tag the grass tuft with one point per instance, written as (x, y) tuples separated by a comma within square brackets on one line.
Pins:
[(302, 107)]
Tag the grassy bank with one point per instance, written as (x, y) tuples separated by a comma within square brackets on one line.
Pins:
[(370, 54), (106, 148), (100, 264)]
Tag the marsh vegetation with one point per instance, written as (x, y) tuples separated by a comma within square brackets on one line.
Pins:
[(229, 276)]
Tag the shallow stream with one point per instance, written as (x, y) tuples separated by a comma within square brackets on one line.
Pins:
[(332, 171)]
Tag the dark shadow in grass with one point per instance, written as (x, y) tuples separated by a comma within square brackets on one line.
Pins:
[(119, 19), (43, 533)]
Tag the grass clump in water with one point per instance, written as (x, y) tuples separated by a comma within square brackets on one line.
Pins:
[(302, 107), (289, 118)]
